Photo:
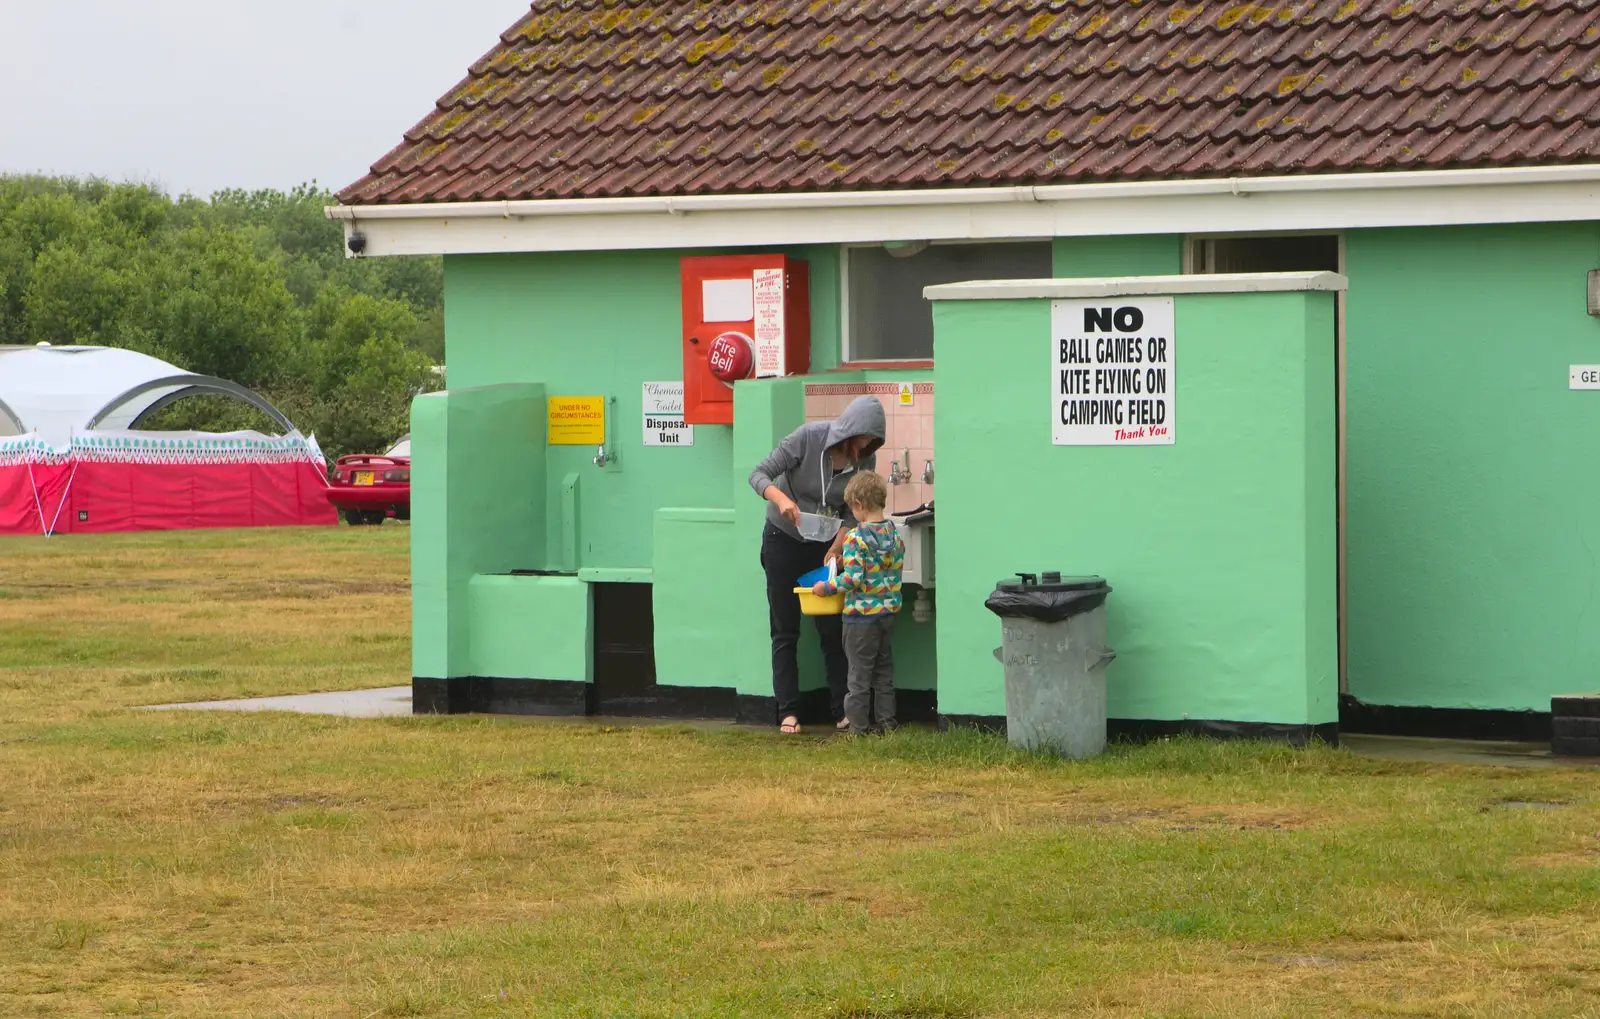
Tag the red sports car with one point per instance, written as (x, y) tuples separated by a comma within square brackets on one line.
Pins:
[(367, 487)]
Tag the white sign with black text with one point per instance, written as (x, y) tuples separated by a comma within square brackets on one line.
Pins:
[(663, 415), (1583, 376), (1111, 370)]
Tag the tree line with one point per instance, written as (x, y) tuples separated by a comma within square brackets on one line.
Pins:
[(249, 286)]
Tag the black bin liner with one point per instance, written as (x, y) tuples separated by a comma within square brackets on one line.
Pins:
[(1048, 597)]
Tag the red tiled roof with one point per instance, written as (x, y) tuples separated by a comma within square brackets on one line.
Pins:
[(601, 98)]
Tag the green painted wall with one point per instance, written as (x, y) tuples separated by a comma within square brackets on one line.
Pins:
[(602, 324), (530, 627), (477, 506), (1143, 255), (692, 595), (1469, 567), (1470, 525), (1220, 548)]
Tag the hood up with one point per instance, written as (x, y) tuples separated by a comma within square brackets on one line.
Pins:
[(864, 416)]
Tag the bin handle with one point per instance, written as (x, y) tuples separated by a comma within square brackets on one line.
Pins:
[(1107, 656)]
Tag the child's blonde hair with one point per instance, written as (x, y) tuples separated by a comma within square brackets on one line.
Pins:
[(867, 490)]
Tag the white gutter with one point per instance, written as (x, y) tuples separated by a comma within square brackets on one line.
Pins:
[(1302, 202)]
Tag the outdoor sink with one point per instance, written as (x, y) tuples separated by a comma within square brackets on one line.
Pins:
[(916, 530)]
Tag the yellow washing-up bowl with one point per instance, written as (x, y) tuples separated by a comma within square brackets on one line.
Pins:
[(823, 605)]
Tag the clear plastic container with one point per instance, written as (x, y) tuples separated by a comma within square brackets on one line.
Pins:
[(816, 527)]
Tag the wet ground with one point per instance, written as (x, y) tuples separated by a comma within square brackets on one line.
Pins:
[(396, 700)]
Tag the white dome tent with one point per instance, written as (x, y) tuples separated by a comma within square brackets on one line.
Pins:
[(59, 391), (73, 457)]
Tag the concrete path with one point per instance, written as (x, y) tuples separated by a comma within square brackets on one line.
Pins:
[(380, 703)]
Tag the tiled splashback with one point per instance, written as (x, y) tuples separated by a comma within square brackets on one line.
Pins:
[(910, 427)]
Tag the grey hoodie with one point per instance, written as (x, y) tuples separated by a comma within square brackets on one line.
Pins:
[(801, 468)]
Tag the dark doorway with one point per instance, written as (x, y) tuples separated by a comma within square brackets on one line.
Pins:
[(624, 651), (1288, 253)]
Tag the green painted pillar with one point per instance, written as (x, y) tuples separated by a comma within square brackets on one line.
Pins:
[(764, 411), (477, 506)]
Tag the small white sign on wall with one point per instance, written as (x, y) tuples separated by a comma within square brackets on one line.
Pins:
[(1112, 380), (1584, 376), (663, 415)]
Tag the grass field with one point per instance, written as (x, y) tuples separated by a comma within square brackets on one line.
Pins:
[(200, 864)]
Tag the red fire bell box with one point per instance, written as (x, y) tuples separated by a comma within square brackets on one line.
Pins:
[(744, 317)]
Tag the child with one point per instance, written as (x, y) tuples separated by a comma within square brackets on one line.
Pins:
[(870, 580)]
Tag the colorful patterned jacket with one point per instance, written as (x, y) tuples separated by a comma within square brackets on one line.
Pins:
[(870, 577)]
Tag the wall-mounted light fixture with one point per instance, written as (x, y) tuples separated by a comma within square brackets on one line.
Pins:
[(1594, 292)]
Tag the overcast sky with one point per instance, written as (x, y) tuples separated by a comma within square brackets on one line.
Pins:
[(197, 95)]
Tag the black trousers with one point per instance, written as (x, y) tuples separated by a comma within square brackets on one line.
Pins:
[(785, 560)]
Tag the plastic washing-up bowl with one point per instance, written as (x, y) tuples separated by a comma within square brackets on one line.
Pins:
[(814, 605)]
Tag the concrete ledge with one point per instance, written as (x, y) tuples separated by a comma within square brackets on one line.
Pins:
[(614, 575), (1133, 286)]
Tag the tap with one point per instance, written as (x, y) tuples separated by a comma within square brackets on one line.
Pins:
[(601, 457), (898, 476), (927, 472)]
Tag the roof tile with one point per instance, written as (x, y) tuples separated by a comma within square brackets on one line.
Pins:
[(599, 98)]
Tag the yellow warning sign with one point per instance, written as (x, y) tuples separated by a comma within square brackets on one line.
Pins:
[(905, 394), (577, 420)]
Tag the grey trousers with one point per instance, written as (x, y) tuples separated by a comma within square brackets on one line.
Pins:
[(869, 647)]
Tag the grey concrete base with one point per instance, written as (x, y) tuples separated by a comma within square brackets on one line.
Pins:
[(383, 702)]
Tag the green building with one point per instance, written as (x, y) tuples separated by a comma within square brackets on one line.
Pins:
[(1372, 509)]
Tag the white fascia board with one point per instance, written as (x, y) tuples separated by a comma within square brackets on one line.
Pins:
[(1134, 286), (1239, 205)]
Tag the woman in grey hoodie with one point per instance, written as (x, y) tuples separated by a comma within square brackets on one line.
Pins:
[(807, 474)]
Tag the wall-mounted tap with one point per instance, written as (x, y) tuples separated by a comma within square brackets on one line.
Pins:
[(927, 472), (601, 456), (898, 476)]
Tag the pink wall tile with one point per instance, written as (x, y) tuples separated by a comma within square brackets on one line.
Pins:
[(903, 498)]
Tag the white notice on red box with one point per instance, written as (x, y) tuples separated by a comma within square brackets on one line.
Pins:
[(769, 323)]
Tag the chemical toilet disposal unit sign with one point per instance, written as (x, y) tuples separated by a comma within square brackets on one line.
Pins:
[(663, 415), (1111, 366)]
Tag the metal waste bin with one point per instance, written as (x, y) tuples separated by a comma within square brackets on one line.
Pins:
[(1053, 647)]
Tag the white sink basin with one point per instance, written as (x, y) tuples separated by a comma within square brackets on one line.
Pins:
[(918, 538)]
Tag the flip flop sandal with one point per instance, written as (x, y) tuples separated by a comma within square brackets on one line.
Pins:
[(790, 726), (842, 725)]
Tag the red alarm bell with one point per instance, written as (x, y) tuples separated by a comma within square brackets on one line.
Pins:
[(732, 357)]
